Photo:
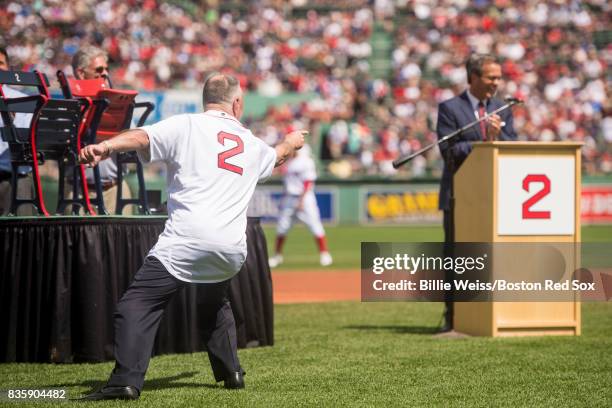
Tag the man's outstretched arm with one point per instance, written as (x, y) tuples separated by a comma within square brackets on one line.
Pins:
[(130, 140)]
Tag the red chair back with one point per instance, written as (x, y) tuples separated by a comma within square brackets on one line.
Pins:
[(87, 87), (118, 114)]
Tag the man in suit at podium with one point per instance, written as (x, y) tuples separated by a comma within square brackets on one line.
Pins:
[(484, 73)]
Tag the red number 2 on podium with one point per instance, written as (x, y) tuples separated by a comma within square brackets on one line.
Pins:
[(536, 178)]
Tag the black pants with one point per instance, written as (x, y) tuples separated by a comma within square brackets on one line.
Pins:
[(140, 310), (448, 275)]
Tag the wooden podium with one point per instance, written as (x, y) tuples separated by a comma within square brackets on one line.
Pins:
[(518, 192)]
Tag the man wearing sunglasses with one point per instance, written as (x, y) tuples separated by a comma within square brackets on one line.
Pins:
[(90, 63)]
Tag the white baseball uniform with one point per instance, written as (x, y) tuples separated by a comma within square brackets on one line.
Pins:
[(300, 174), (204, 239)]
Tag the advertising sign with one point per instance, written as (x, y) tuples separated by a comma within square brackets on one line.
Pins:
[(406, 205), (596, 204), (266, 203)]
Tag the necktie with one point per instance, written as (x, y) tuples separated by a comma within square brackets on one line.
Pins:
[(483, 126)]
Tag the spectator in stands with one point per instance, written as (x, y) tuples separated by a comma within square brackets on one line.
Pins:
[(24, 186), (89, 63)]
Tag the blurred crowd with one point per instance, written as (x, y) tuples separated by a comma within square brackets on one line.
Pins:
[(556, 57)]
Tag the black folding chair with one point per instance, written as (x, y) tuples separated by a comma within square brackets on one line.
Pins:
[(132, 157), (53, 134)]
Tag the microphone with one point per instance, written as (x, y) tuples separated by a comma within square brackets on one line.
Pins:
[(511, 99)]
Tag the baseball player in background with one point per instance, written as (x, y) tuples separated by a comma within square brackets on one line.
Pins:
[(299, 201), (213, 165)]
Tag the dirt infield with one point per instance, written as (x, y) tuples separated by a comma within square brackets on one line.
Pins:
[(318, 285), (315, 286)]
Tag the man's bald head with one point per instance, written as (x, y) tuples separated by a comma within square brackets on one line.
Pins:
[(223, 91), (220, 88)]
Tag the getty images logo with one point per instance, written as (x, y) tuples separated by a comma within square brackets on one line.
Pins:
[(412, 264)]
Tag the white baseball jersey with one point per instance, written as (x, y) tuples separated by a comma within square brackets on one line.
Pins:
[(300, 170), (213, 165)]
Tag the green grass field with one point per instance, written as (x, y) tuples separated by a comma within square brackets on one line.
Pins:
[(369, 354), (300, 250)]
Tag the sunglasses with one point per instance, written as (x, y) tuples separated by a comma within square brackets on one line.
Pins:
[(101, 69)]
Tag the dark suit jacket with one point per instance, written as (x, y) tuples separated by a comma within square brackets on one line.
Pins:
[(454, 114)]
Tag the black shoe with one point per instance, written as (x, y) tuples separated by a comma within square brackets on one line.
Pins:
[(107, 393), (234, 381)]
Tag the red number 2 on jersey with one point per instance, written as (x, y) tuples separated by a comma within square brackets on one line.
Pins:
[(223, 156)]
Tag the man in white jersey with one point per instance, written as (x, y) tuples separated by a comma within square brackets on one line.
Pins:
[(214, 163), (300, 201)]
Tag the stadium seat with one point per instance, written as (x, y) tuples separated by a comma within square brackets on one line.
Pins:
[(53, 134), (90, 125), (115, 109)]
